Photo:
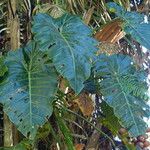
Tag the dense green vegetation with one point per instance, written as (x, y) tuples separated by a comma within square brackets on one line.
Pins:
[(73, 74)]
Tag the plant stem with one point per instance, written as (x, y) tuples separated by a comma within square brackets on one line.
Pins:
[(91, 125)]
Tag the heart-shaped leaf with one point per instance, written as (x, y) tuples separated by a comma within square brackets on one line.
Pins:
[(69, 44), (28, 93), (124, 89)]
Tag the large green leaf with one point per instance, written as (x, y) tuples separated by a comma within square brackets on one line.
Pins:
[(69, 44), (29, 90), (120, 86), (134, 24)]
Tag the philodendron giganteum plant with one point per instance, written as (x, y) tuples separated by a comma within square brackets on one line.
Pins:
[(64, 47)]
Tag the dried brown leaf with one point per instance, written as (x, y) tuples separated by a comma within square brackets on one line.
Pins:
[(111, 32), (85, 104), (79, 146)]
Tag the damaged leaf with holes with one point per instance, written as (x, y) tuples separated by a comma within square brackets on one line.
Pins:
[(125, 90), (65, 40), (28, 92)]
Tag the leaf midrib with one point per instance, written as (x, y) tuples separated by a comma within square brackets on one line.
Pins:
[(128, 104), (124, 93), (30, 95), (72, 55)]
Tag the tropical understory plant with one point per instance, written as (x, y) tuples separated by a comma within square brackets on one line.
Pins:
[(47, 86)]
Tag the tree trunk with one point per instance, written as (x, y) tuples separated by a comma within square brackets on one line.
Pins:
[(10, 132), (8, 137)]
